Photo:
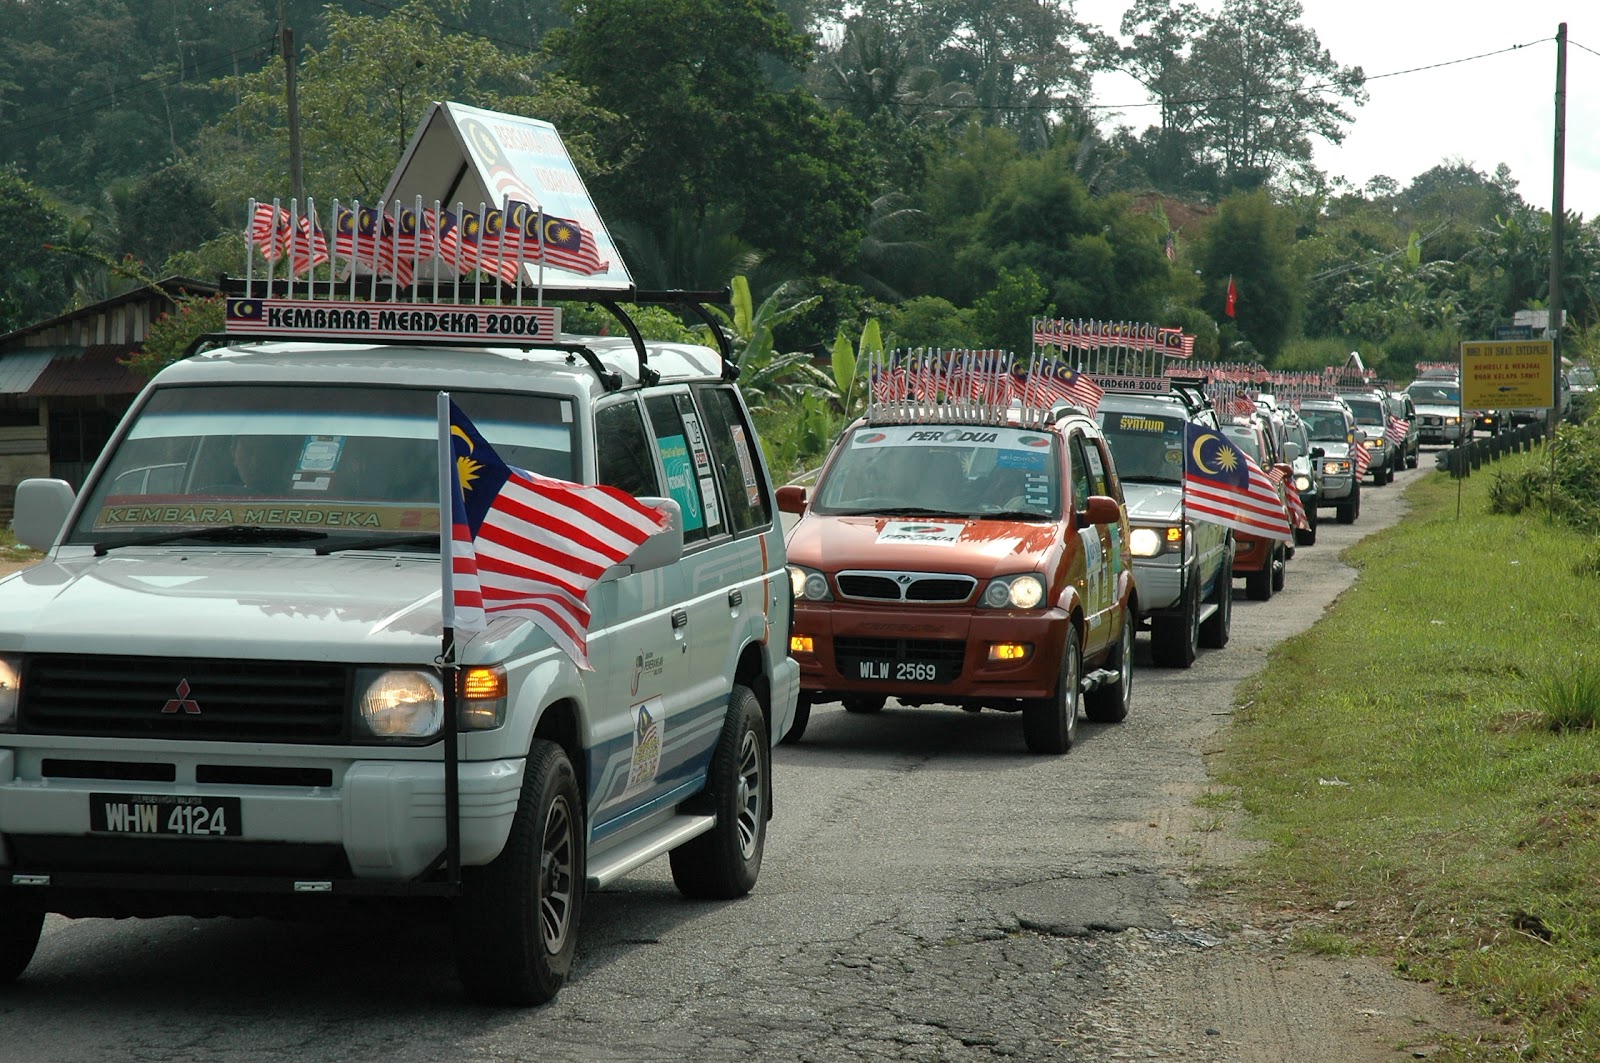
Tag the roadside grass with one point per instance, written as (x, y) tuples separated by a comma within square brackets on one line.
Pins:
[(11, 550), (1425, 767)]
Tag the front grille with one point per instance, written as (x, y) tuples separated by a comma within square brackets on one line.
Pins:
[(950, 652), (1432, 421), (237, 701), (906, 586)]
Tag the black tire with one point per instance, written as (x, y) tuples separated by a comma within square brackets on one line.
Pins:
[(802, 716), (1218, 627), (19, 937), (1414, 457), (1349, 511), (516, 922), (1110, 704), (1050, 725), (1280, 569), (1258, 585), (724, 862), (864, 703), (1175, 640), (1307, 536)]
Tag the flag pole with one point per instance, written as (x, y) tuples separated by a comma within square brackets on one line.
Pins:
[(449, 670)]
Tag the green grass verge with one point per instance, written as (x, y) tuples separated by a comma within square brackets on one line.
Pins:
[(10, 550), (1424, 766)]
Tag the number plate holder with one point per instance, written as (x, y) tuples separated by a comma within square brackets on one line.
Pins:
[(893, 671), (165, 815)]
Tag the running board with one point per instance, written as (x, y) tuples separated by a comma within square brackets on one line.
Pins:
[(1100, 677), (647, 846)]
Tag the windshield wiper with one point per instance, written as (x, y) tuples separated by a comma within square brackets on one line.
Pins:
[(895, 511), (232, 533), (384, 543), (1014, 514), (1150, 480)]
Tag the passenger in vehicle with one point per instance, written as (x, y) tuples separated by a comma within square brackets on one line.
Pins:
[(264, 463)]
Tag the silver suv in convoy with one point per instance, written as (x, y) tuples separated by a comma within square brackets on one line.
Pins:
[(1307, 462), (1438, 405), (1371, 410), (227, 687), (1331, 427), (1182, 567)]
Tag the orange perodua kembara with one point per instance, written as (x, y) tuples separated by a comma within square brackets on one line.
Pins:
[(940, 561)]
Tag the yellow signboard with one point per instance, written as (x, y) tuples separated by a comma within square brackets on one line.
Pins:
[(1508, 374)]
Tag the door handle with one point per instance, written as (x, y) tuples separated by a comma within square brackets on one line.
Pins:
[(680, 618), (735, 598)]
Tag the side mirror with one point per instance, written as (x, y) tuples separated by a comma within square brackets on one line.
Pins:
[(792, 499), (41, 507), (1318, 452), (663, 548), (1102, 509), (1291, 451)]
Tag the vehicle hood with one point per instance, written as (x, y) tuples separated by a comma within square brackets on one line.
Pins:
[(1152, 503), (1438, 409), (289, 605), (980, 548), (1331, 449)]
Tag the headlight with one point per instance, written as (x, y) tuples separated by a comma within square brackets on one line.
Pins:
[(1144, 542), (1336, 468), (809, 585), (398, 703), (10, 681), (1302, 483), (1014, 592), (1452, 420)]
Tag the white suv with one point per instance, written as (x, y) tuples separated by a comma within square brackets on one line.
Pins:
[(221, 690)]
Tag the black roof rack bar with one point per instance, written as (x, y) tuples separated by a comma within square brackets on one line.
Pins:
[(697, 307), (647, 376), (608, 380)]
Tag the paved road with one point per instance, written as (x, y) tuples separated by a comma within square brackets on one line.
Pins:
[(931, 892)]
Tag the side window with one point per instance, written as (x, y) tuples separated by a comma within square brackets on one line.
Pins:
[(622, 450), (733, 451), (681, 445), (1099, 481), (1080, 474)]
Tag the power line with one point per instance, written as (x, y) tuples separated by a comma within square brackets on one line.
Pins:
[(1575, 44)]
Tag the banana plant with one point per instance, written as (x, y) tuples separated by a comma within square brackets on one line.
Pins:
[(767, 377)]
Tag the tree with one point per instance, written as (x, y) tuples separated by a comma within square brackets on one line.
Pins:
[(36, 283), (1263, 86), (1250, 243), (702, 127)]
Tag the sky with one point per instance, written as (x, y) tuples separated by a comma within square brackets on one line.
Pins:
[(1487, 111)]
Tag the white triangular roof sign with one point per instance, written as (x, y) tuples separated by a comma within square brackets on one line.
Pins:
[(467, 155)]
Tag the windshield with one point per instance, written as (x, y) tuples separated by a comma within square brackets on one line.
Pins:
[(1147, 447), (944, 470), (350, 463), (1325, 425), (1435, 394), (1582, 377), (1248, 441), (1367, 411)]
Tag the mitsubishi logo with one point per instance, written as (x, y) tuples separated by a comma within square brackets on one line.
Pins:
[(182, 701)]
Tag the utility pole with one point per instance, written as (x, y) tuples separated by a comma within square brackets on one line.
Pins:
[(291, 101), (1558, 224)]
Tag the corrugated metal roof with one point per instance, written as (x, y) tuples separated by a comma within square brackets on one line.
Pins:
[(19, 369), (93, 370), (163, 289)]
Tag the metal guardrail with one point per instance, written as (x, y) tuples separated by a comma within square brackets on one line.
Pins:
[(1461, 461)]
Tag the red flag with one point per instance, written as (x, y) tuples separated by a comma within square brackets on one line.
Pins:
[(529, 546), (1233, 299)]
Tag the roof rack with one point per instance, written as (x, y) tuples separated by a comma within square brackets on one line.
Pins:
[(391, 285), (936, 386)]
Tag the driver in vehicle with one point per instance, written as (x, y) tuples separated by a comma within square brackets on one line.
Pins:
[(265, 464)]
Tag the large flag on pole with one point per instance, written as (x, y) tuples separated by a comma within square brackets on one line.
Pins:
[(522, 545), (1224, 485)]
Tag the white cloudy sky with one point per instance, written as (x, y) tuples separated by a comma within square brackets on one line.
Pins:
[(1488, 111)]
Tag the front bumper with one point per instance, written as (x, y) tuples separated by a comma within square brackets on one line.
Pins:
[(1251, 553), (379, 820), (846, 637), (1335, 489)]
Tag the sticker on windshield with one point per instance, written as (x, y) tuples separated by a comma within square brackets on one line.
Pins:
[(928, 533)]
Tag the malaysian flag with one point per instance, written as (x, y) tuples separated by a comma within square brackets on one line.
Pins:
[(1175, 343), (1396, 432), (523, 545), (1060, 384), (567, 246), (1297, 508), (367, 236), (269, 230), (307, 247), (1361, 459), (1224, 485), (888, 380)]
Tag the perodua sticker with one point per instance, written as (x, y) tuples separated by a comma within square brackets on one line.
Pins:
[(929, 533)]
